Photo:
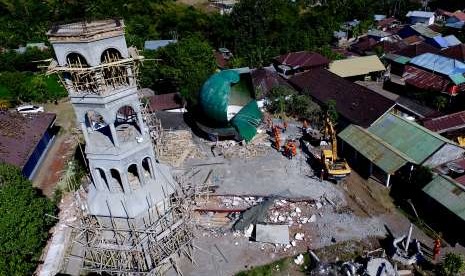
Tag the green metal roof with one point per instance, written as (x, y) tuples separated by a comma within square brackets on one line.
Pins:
[(457, 78), (447, 192), (413, 140), (247, 120), (402, 60), (374, 149), (214, 95)]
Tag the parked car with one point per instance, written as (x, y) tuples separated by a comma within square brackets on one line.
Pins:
[(30, 109)]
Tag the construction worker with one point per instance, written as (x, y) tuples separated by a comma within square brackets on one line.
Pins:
[(277, 138), (305, 125), (436, 248)]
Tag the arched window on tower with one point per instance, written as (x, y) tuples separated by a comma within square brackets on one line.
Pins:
[(98, 129), (117, 184), (81, 79), (126, 124), (114, 73), (147, 166), (133, 177)]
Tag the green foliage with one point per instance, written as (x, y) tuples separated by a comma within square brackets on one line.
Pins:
[(189, 62), (268, 269), (453, 264), (284, 100), (23, 223), (440, 102), (330, 109)]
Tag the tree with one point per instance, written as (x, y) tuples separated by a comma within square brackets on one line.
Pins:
[(331, 110), (189, 62), (23, 223), (452, 265)]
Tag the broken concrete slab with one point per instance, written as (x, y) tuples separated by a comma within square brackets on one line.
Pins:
[(272, 233)]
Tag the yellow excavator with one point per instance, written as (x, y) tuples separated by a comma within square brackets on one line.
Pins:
[(334, 168)]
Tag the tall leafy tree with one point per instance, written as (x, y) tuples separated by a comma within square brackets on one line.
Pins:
[(23, 223)]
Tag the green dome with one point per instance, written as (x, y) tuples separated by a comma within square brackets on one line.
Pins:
[(214, 95)]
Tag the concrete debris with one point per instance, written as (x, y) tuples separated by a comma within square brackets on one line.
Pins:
[(278, 234), (248, 231), (312, 218), (380, 267), (299, 236), (299, 260), (293, 243)]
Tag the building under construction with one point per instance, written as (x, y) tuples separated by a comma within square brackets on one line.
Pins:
[(134, 218)]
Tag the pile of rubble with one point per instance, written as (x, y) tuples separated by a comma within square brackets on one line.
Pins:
[(176, 147)]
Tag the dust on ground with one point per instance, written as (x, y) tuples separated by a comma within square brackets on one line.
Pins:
[(61, 150)]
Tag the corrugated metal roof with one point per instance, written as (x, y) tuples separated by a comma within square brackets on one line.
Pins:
[(452, 40), (448, 193), (155, 44), (424, 30), (408, 137), (440, 64), (374, 149), (446, 122), (422, 14), (303, 59), (356, 66), (425, 80)]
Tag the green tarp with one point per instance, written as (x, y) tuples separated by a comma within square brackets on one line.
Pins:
[(247, 120)]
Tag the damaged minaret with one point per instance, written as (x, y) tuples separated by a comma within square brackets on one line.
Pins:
[(128, 212)]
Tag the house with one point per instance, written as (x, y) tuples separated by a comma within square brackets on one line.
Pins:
[(379, 35), (423, 17), (419, 30), (451, 126), (363, 45), (166, 102), (456, 52), (436, 73), (295, 62), (358, 67), (413, 39), (417, 49), (25, 139), (41, 46), (393, 144), (356, 104), (404, 107), (154, 45), (222, 57), (387, 23), (265, 79), (445, 196)]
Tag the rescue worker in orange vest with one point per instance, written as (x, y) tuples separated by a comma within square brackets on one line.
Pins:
[(437, 248)]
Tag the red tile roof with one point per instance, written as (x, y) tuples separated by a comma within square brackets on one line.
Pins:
[(389, 47), (456, 52), (302, 59), (165, 102), (20, 134), (412, 51), (358, 104), (447, 122), (424, 79)]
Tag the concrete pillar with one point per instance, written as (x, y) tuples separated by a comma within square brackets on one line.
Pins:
[(96, 178), (85, 133), (140, 122), (109, 179), (388, 180), (113, 135), (141, 174), (125, 181)]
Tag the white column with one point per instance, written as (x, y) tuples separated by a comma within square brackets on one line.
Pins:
[(113, 135), (388, 180)]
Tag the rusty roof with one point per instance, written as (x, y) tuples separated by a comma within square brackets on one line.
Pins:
[(417, 49), (165, 102), (358, 104), (302, 59), (20, 134), (446, 123), (456, 52), (425, 80)]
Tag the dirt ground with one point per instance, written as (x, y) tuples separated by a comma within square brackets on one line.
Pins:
[(62, 149)]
